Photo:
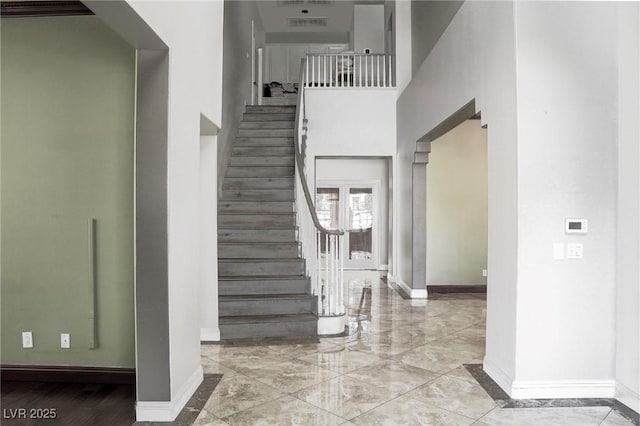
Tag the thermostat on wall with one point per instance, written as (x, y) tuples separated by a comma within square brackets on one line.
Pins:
[(576, 226)]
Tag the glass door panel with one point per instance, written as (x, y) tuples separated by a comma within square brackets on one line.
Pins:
[(328, 210), (360, 227)]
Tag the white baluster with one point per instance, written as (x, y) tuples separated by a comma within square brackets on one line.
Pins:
[(306, 73), (318, 293), (345, 289), (384, 71), (366, 71), (327, 293), (324, 73)]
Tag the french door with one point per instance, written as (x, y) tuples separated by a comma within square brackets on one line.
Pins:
[(352, 207)]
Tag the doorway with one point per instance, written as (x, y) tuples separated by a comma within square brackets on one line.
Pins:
[(351, 206)]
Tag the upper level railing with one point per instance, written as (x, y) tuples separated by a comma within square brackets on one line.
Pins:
[(324, 267), (349, 70)]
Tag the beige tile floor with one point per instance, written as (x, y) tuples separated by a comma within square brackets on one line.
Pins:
[(401, 364)]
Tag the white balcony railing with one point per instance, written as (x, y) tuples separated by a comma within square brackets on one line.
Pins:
[(349, 70), (322, 248)]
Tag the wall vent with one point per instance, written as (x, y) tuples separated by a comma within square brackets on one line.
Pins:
[(313, 21)]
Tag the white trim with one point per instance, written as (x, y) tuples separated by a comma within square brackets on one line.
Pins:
[(383, 267), (498, 375), (414, 293), (331, 325), (549, 389), (210, 334), (628, 396), (167, 411), (532, 389)]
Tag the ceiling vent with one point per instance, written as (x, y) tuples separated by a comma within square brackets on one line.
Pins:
[(290, 2), (301, 2), (312, 21)]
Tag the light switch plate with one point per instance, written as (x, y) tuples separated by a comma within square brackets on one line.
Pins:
[(574, 251), (558, 251), (27, 339)]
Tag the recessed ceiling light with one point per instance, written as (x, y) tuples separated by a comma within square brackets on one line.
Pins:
[(305, 11)]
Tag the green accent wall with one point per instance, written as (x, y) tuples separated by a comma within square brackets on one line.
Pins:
[(67, 140)]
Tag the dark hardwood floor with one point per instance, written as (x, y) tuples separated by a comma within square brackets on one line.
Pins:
[(36, 403)]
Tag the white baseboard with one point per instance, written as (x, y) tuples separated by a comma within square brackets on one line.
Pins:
[(530, 389), (210, 334), (498, 375), (167, 411), (550, 389), (414, 293), (628, 397), (331, 325)]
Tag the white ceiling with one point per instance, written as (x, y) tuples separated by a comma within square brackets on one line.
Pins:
[(275, 14)]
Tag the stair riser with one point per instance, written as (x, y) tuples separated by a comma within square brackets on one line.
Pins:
[(258, 251), (267, 151), (282, 329), (243, 160), (260, 171), (251, 235), (270, 109), (262, 286), (258, 195), (271, 116), (265, 133), (258, 183), (237, 269), (266, 307), (267, 124), (249, 221), (286, 141), (260, 207)]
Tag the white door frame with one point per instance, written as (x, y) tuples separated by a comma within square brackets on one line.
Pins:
[(343, 187)]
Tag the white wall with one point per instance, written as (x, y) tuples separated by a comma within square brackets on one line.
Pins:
[(208, 300), (402, 29), (368, 28), (236, 87), (351, 170), (474, 58), (193, 33), (457, 206), (628, 250), (349, 122), (551, 155), (567, 91), (357, 122), (428, 21)]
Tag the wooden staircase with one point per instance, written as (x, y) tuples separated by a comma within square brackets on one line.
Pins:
[(263, 289)]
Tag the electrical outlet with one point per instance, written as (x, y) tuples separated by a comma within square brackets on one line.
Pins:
[(65, 340), (27, 339), (484, 272)]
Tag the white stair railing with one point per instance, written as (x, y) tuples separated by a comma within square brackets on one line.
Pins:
[(325, 268), (349, 70)]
